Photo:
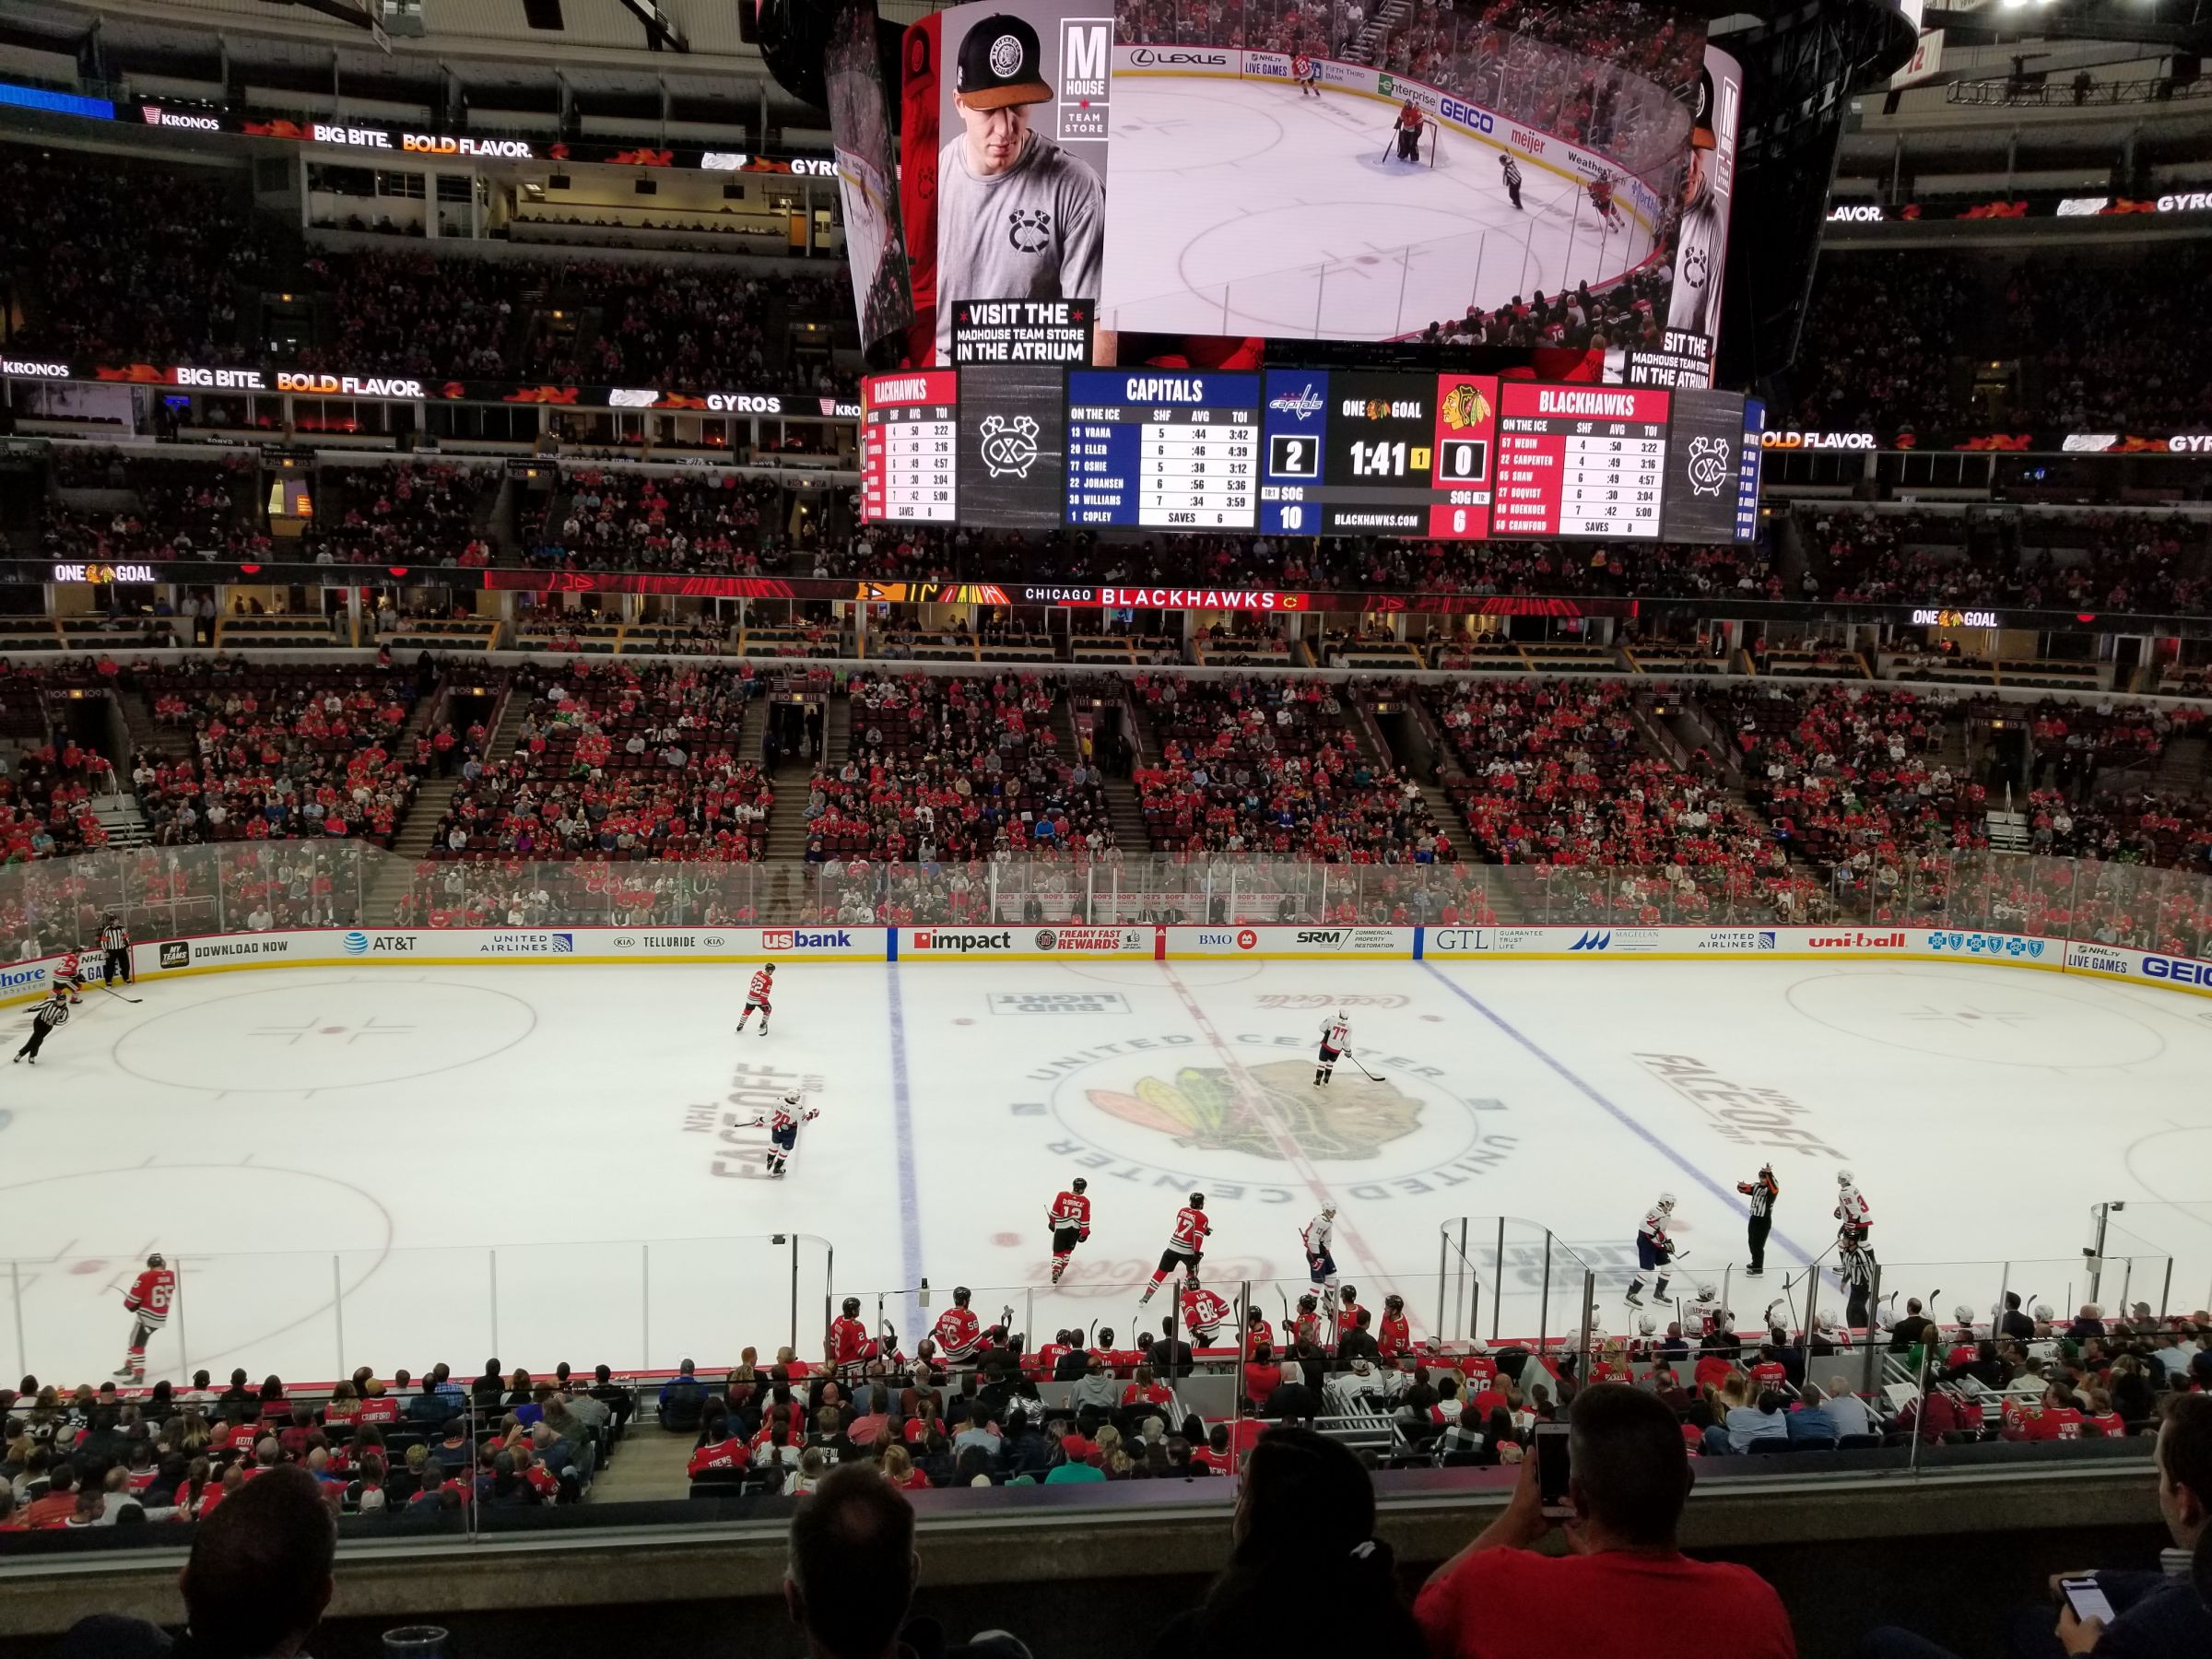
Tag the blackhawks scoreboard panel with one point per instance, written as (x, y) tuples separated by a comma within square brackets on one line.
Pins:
[(1168, 449), (909, 426), (1581, 460), (1355, 452)]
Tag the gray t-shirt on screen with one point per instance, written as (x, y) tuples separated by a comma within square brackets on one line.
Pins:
[(1036, 231)]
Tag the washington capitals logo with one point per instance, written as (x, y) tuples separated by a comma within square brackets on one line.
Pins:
[(1302, 403)]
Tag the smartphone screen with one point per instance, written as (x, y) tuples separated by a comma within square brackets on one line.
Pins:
[(2087, 1600), (1551, 1469)]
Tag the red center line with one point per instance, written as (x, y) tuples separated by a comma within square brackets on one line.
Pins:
[(1285, 1142)]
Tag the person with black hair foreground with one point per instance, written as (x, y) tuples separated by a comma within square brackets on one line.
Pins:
[(1624, 1575), (255, 1588), (2157, 1615), (1304, 1531), (852, 1573)]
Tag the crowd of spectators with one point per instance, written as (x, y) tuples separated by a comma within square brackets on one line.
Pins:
[(418, 512), (1272, 766), (955, 769), (617, 761), (2105, 561), (1880, 339), (717, 522), (126, 262), (1851, 778), (277, 752)]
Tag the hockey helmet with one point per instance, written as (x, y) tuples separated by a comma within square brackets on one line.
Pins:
[(792, 1099), (852, 1306), (1197, 1200), (959, 1296), (1308, 1302), (769, 969), (1666, 1201), (1843, 1178), (1078, 1184), (1707, 1292), (1646, 1325), (1328, 1209), (156, 1260), (1963, 1314), (2043, 1312), (1393, 1303)]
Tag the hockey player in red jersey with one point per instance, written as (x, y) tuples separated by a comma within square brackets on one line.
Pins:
[(1303, 71), (1393, 1338), (1601, 198), (1311, 1325), (783, 1125), (959, 1333), (756, 996), (1204, 1313), (1186, 1246), (1408, 129), (70, 972), (1070, 1220), (851, 1347), (147, 1301)]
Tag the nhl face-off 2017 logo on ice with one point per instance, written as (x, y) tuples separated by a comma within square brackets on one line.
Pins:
[(1168, 1110)]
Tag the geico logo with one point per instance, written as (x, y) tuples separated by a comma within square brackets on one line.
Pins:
[(1858, 213), (2179, 972), (740, 403), (221, 380), (1465, 115), (41, 371), (348, 385)]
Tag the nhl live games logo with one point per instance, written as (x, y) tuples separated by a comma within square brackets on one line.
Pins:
[(1085, 65)]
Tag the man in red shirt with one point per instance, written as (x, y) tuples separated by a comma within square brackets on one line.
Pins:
[(1630, 1476)]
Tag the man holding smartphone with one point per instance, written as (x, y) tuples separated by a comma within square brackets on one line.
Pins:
[(1619, 1492), (2130, 1615)]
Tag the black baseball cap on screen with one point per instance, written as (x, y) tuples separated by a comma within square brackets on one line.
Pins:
[(1001, 64)]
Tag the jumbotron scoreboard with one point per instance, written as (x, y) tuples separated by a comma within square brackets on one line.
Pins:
[(1312, 451)]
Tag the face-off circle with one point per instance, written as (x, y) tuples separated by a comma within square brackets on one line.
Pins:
[(1996, 1018)]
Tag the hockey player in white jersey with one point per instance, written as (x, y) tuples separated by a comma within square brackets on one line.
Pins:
[(1852, 1211), (1321, 1265), (1654, 1250), (783, 1124), (1702, 1317), (1335, 1040)]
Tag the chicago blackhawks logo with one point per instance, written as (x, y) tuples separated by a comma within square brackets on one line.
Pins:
[(1009, 446), (1173, 1108), (1693, 267), (1030, 230), (1463, 406), (1708, 464), (1203, 1108)]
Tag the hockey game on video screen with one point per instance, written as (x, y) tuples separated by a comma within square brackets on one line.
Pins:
[(1311, 169)]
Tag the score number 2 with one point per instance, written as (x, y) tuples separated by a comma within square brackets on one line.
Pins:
[(1289, 456)]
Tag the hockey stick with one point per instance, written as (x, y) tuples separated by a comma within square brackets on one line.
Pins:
[(111, 990), (1362, 1065)]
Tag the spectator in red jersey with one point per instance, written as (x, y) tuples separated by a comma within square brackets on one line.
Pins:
[(1630, 1479), (1304, 1538)]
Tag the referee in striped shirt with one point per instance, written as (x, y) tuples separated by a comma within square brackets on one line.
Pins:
[(1510, 170), (1762, 1194)]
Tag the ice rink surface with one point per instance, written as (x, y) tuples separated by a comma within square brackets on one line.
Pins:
[(1239, 206), (390, 1165)]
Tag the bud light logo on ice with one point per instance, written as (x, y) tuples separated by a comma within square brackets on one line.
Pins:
[(1304, 403), (355, 943)]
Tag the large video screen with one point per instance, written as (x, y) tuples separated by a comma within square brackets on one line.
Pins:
[(1522, 179)]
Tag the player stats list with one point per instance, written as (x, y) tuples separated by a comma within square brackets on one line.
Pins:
[(1163, 450), (909, 426), (1579, 461)]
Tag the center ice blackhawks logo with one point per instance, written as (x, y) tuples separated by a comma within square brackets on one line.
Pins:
[(1029, 230), (1201, 1109), (1708, 464)]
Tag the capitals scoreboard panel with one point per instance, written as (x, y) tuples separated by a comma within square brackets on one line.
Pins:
[(1582, 461), (1358, 451), (909, 449), (1170, 450)]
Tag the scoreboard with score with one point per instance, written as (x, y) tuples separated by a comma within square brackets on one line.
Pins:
[(1355, 452), (1310, 452)]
